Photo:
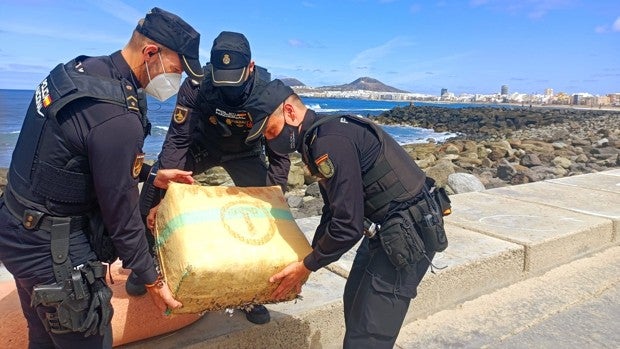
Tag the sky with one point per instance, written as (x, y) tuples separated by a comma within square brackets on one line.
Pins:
[(465, 46)]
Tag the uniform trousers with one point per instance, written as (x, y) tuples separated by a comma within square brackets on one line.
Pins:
[(377, 296)]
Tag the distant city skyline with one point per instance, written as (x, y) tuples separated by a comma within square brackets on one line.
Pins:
[(502, 89), (471, 46)]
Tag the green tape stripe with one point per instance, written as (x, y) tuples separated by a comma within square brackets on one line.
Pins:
[(198, 217)]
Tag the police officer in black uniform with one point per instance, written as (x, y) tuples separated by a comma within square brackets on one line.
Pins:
[(367, 180), (210, 124), (71, 201)]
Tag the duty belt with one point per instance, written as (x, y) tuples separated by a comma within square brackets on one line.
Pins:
[(33, 219)]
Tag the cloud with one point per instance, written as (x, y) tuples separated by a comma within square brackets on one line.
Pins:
[(369, 56), (603, 29), (415, 8), (296, 43), (61, 34), (13, 67), (534, 9), (616, 26), (120, 10)]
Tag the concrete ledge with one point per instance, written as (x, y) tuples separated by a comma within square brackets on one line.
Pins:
[(295, 324), (551, 236), (556, 193), (476, 264), (598, 181)]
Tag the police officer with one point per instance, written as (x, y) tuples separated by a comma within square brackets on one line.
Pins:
[(72, 192), (366, 180), (210, 124)]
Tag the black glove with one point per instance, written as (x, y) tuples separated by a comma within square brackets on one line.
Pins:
[(100, 311)]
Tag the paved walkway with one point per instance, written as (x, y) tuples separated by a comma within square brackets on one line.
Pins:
[(497, 238)]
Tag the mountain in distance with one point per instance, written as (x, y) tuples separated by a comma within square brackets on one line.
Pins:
[(292, 82), (363, 83)]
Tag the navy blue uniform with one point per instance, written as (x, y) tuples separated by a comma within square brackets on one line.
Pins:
[(202, 135), (377, 295), (111, 148)]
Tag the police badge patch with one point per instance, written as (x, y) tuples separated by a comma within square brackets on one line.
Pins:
[(325, 165), (137, 165), (180, 114)]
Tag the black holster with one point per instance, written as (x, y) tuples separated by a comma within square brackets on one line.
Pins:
[(400, 240), (411, 234), (428, 215), (80, 303)]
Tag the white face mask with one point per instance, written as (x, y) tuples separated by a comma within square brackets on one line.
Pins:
[(164, 85)]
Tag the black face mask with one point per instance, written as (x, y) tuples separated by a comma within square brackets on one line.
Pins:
[(287, 141), (236, 95)]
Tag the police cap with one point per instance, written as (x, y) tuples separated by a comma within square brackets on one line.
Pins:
[(264, 104), (230, 57), (173, 32)]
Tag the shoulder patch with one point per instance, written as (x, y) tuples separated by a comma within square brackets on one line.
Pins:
[(137, 165), (325, 165), (180, 114)]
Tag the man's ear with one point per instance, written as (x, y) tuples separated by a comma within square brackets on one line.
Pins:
[(149, 51), (290, 114), (250, 67)]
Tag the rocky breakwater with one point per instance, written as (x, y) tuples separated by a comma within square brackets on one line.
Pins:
[(504, 146)]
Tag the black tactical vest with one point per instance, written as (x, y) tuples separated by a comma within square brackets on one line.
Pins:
[(46, 172), (231, 124), (394, 177)]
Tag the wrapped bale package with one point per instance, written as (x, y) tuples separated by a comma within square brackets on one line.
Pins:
[(218, 246)]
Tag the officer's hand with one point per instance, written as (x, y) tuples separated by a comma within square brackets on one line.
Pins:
[(162, 297), (165, 176), (291, 277), (150, 219)]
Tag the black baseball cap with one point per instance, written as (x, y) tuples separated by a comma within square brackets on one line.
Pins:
[(264, 104), (230, 57), (173, 32)]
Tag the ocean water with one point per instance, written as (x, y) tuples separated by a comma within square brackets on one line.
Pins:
[(14, 103)]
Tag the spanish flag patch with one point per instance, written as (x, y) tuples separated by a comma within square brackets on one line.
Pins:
[(180, 114), (137, 165), (325, 166)]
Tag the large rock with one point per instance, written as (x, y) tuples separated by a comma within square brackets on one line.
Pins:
[(464, 183)]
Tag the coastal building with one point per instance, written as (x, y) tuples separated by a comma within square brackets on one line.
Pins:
[(614, 99), (546, 98)]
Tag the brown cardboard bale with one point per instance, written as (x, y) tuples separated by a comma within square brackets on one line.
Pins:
[(218, 246)]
